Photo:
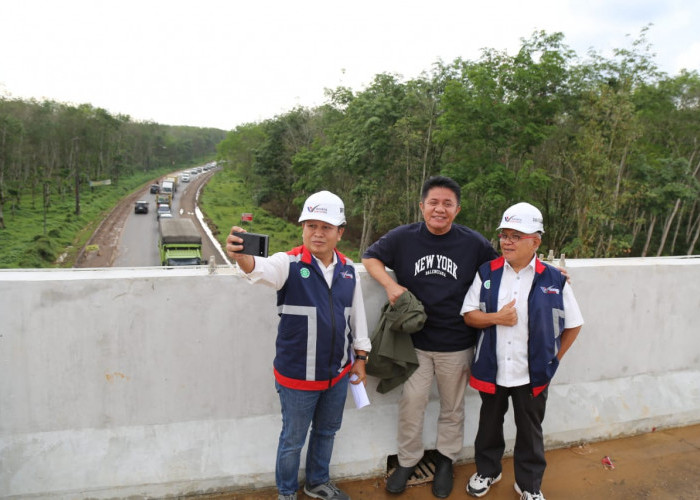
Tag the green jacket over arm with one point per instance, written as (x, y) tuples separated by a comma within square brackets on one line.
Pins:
[(393, 357)]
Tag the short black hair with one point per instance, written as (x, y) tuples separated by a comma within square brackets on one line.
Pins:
[(441, 181)]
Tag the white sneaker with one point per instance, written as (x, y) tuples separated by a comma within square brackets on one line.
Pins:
[(526, 495), (478, 485)]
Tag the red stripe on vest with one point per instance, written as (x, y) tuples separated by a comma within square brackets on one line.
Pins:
[(537, 390), (539, 267), (310, 385), (482, 386), (306, 255)]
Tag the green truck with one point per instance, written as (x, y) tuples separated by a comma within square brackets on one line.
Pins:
[(164, 198), (180, 243)]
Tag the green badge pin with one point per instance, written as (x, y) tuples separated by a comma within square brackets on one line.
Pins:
[(305, 273)]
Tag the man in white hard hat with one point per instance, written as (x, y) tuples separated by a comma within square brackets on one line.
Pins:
[(528, 318), (319, 336)]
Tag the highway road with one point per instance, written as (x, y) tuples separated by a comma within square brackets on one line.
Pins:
[(138, 243)]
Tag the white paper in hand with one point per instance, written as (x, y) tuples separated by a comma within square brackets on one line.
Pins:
[(359, 393)]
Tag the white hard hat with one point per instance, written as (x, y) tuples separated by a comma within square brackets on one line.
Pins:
[(324, 206), (523, 217)]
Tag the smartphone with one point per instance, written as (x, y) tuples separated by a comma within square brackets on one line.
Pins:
[(254, 244)]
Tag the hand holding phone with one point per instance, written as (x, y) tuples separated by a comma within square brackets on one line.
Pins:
[(253, 243)]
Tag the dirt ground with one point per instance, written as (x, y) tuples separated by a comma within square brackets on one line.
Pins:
[(661, 464)]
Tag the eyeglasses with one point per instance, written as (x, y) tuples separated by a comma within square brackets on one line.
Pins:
[(514, 238)]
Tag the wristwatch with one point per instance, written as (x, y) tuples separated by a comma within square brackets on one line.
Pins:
[(363, 357)]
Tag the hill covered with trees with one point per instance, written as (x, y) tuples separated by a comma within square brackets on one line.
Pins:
[(608, 148), (63, 167), (50, 149)]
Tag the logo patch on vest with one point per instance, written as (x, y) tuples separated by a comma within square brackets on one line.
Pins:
[(347, 275), (304, 273), (549, 290), (487, 284)]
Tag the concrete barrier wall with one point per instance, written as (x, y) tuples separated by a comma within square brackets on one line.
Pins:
[(156, 382)]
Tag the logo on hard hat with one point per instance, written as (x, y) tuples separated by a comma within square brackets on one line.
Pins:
[(318, 209), (515, 218), (324, 206)]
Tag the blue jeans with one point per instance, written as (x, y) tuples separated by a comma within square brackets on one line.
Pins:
[(323, 409)]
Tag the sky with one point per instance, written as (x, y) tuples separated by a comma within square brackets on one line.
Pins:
[(223, 63)]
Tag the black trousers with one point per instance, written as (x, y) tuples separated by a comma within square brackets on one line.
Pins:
[(528, 455)]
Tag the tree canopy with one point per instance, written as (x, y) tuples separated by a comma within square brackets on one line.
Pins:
[(607, 148), (55, 149)]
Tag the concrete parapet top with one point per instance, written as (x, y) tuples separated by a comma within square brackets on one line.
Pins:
[(684, 260), (147, 272)]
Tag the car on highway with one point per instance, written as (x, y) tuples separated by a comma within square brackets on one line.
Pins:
[(155, 188), (141, 207), (163, 211), (184, 177)]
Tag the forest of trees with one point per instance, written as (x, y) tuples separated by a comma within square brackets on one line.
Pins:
[(52, 149), (607, 148)]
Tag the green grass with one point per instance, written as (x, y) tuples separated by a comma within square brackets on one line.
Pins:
[(29, 242), (226, 197), (25, 244)]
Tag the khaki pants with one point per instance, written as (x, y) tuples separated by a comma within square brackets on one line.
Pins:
[(452, 372)]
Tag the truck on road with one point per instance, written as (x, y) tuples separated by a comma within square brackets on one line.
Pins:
[(167, 187), (164, 198), (172, 180), (180, 243)]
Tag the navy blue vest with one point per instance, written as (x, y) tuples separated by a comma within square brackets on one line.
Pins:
[(545, 324), (314, 336)]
